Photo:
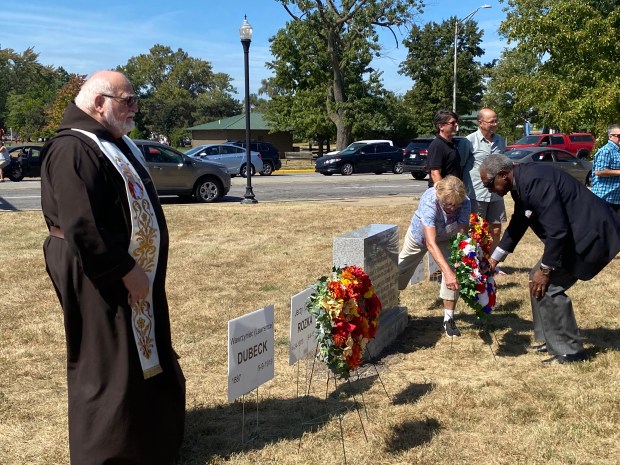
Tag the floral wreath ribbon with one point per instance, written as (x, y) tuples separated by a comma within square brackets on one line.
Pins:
[(143, 247)]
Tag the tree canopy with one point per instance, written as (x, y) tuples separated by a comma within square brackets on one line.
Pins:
[(575, 85), (178, 91), (27, 90), (503, 95), (55, 112), (429, 64), (342, 39)]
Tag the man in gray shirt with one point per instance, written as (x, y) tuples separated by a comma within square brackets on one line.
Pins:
[(474, 149)]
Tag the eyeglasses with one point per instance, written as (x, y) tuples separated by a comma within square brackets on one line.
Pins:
[(452, 123), (493, 121), (614, 135), (490, 183), (129, 101)]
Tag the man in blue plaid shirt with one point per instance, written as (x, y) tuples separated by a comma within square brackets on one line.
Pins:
[(606, 169)]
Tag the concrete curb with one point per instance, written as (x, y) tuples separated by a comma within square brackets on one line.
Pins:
[(295, 171)]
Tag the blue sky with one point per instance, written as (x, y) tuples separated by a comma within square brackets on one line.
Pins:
[(84, 36)]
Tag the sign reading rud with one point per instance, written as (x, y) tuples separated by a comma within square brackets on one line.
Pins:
[(250, 351), (302, 327)]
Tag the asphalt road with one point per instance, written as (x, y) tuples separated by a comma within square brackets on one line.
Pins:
[(283, 186)]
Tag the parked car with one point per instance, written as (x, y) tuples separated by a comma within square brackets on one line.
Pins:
[(231, 156), (561, 159), (29, 156), (580, 144), (415, 156), (361, 157), (367, 141), (269, 154), (175, 173)]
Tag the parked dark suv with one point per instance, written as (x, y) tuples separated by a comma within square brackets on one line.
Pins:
[(416, 153), (362, 157), (269, 155)]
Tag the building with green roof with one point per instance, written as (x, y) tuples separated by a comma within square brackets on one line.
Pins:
[(233, 128)]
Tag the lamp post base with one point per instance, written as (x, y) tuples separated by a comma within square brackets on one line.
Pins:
[(248, 197)]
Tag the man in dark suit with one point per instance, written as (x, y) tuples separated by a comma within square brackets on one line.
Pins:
[(581, 235)]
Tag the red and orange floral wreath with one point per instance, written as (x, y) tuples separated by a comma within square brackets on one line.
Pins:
[(470, 258), (346, 310)]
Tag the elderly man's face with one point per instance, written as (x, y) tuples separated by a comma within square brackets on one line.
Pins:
[(120, 109), (488, 122), (500, 184)]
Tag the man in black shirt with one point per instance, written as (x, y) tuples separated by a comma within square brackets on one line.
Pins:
[(443, 158)]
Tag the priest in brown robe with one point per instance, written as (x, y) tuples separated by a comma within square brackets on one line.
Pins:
[(107, 255)]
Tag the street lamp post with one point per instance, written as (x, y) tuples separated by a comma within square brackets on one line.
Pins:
[(456, 33), (245, 32)]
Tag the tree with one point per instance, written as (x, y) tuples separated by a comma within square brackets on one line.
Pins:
[(27, 88), (429, 63), (176, 90), (217, 103), (55, 112), (505, 98), (345, 32), (297, 92), (575, 87), (25, 114)]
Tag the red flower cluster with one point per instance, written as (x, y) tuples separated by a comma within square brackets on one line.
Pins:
[(347, 311)]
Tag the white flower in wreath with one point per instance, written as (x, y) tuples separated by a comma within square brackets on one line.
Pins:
[(483, 298)]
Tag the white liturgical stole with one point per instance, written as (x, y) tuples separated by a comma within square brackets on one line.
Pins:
[(143, 247)]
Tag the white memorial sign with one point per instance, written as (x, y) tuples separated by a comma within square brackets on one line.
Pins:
[(418, 274), (302, 327), (433, 267), (250, 351)]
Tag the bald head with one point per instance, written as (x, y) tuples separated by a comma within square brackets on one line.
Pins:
[(487, 122), (105, 96)]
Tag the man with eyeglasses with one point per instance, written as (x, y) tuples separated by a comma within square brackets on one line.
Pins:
[(606, 169), (106, 255), (443, 158), (580, 237), (474, 149)]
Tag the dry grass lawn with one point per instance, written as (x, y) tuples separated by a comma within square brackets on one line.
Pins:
[(479, 399)]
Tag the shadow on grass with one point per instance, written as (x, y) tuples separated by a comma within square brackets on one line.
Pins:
[(510, 285), (412, 393), (420, 333), (217, 432), (512, 270), (602, 338), (412, 434), (515, 340), (425, 332)]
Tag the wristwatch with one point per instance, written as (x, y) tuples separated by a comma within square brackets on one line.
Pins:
[(546, 270)]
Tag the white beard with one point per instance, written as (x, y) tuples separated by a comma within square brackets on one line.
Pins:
[(116, 126)]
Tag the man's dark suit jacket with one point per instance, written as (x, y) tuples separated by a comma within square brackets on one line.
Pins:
[(580, 232)]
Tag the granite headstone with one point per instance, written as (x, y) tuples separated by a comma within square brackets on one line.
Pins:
[(375, 248)]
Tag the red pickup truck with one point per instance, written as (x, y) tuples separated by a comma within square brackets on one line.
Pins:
[(580, 144)]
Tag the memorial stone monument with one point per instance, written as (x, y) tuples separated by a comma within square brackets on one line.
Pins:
[(375, 248)]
